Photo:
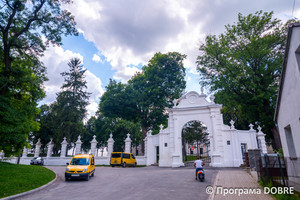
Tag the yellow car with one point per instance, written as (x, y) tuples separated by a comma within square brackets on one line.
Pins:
[(122, 159), (81, 166)]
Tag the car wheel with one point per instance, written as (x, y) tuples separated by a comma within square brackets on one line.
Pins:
[(67, 179), (124, 165), (93, 173), (88, 177), (134, 164), (112, 166)]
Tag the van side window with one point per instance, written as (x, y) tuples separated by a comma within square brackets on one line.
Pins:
[(133, 156), (93, 161), (125, 155)]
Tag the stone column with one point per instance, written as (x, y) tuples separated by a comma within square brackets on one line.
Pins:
[(146, 144), (253, 137), (110, 145), (25, 152), (261, 140), (50, 148), (128, 144), (78, 146), (37, 148), (63, 147), (94, 145)]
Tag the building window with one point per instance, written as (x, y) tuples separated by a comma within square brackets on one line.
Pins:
[(228, 142), (290, 142), (244, 149), (297, 53)]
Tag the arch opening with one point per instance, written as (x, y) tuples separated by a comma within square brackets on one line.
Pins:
[(195, 141)]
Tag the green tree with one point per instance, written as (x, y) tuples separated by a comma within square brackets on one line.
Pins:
[(194, 132), (242, 66), (22, 24), (70, 108), (147, 95), (47, 122), (119, 128)]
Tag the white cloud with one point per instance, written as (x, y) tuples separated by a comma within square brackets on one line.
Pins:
[(97, 58), (56, 60), (130, 32)]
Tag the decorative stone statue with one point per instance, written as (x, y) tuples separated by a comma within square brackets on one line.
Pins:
[(232, 124)]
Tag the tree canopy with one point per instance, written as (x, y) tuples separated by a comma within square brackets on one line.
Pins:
[(22, 25), (147, 94), (242, 67), (119, 128)]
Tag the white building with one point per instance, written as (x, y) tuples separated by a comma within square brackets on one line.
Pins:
[(287, 113)]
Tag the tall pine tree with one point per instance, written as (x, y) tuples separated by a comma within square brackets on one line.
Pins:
[(70, 108)]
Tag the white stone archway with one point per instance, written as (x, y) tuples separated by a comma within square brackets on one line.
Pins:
[(225, 141)]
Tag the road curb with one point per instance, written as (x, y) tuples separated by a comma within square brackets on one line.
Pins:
[(31, 191), (212, 195)]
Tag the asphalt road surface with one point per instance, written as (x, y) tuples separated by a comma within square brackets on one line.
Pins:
[(146, 183)]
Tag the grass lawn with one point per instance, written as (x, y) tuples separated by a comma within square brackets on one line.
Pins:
[(15, 179)]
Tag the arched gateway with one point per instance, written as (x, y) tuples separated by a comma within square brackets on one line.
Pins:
[(226, 143)]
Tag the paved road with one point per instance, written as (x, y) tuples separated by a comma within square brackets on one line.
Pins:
[(145, 183)]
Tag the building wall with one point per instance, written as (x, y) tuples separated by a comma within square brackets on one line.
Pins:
[(289, 112)]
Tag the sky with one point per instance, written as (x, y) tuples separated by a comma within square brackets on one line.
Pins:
[(117, 37)]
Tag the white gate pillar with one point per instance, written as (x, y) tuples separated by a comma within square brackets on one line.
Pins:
[(50, 148), (78, 145), (63, 147), (25, 151), (37, 148), (94, 145), (146, 144), (261, 140), (253, 137), (128, 144), (150, 149), (110, 145)]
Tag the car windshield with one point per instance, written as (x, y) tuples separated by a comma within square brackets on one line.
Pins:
[(116, 155), (80, 161)]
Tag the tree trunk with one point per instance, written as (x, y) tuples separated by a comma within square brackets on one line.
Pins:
[(19, 157)]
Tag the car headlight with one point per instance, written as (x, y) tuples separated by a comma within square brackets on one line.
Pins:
[(67, 169), (85, 169)]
